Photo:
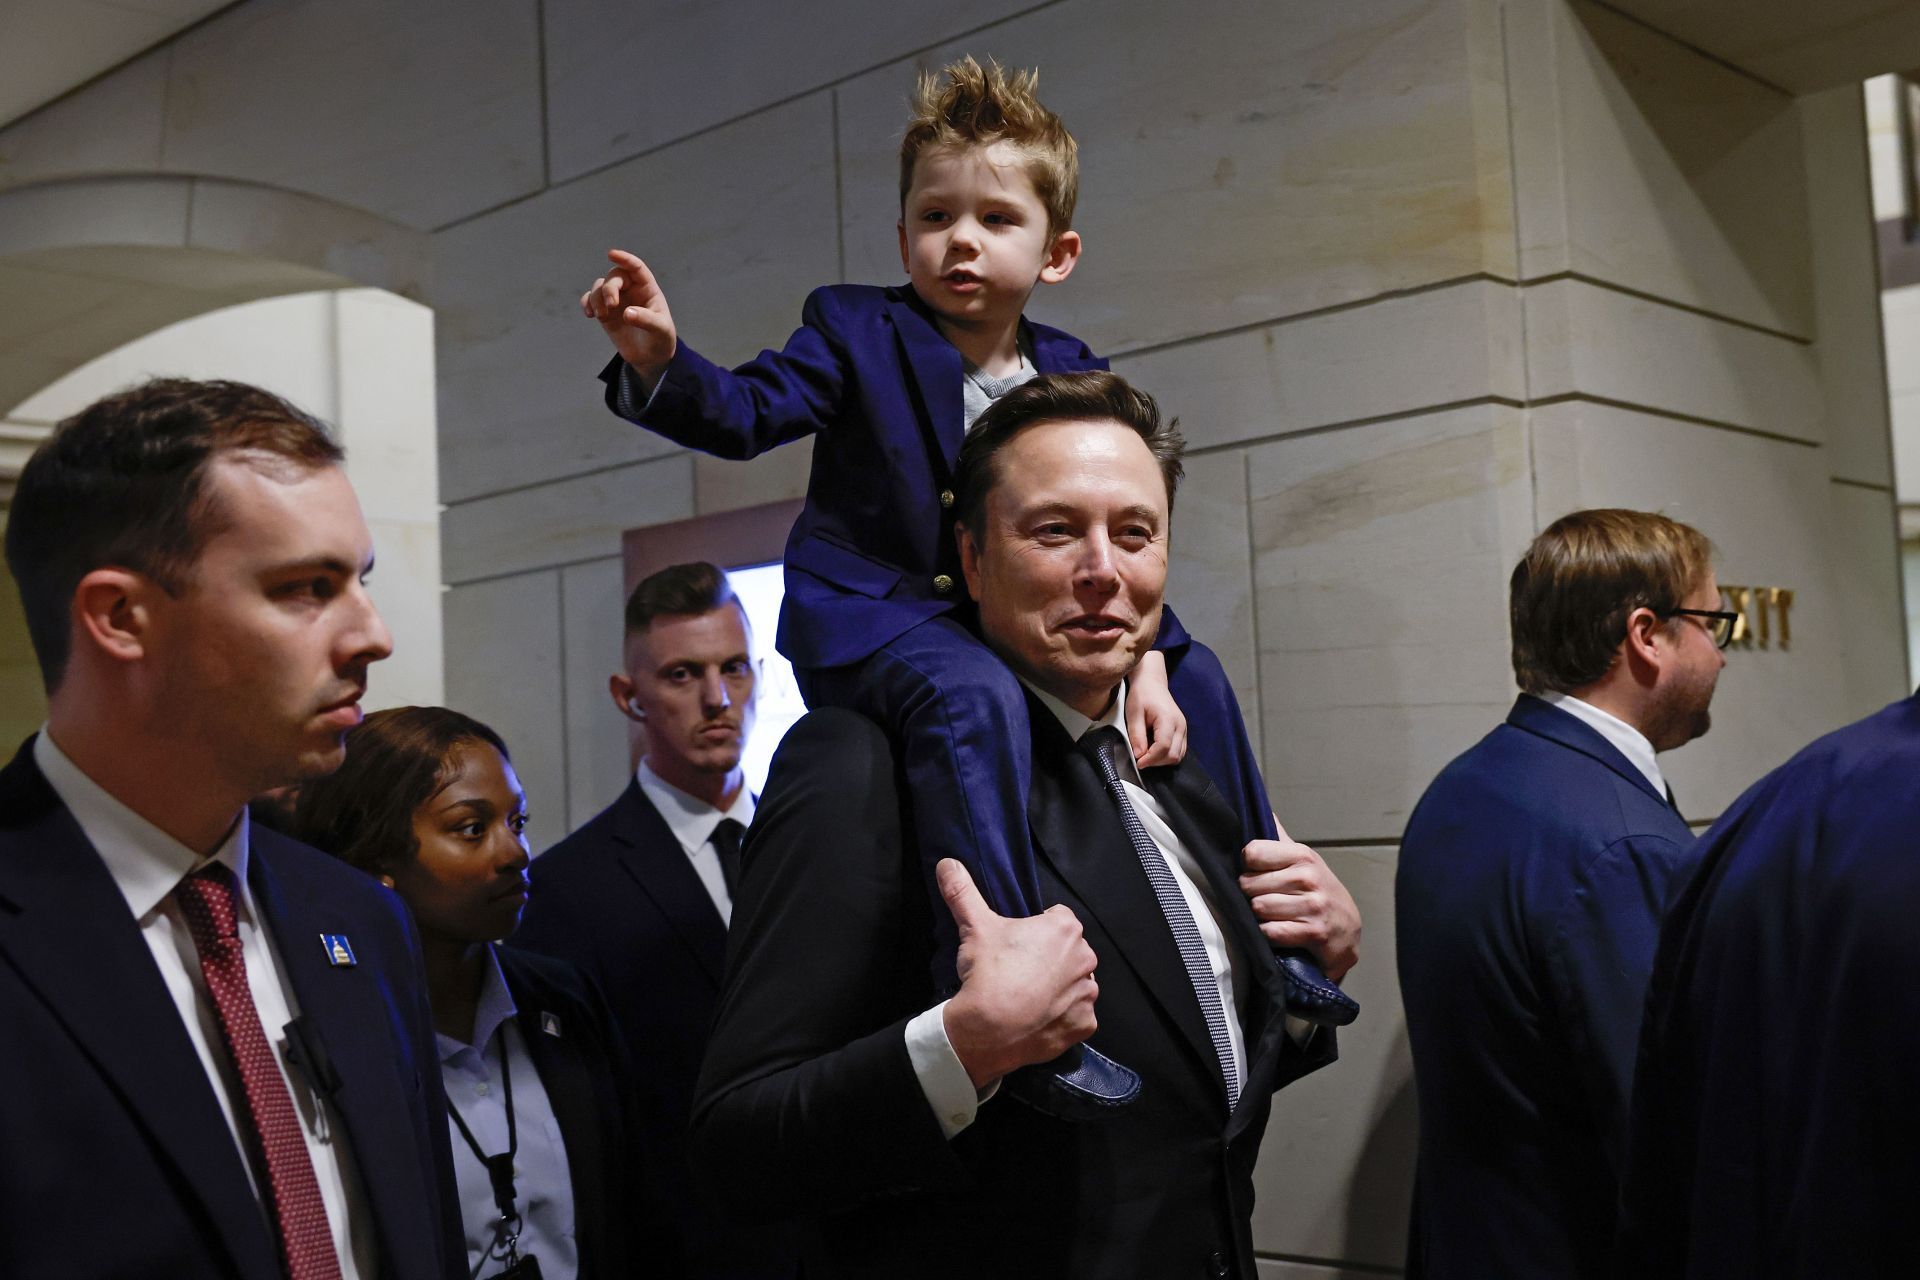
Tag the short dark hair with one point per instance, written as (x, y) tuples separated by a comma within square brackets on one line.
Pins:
[(678, 591), (1571, 593), (1093, 396), (123, 482), (362, 812)]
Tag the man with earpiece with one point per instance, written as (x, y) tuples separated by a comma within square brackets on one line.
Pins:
[(640, 896)]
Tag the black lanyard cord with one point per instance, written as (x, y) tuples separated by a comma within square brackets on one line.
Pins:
[(499, 1167)]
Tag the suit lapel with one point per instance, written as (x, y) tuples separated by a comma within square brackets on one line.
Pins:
[(69, 936), (347, 1009), (1077, 831), (1211, 830), (652, 856), (1056, 352), (937, 373), (556, 1048)]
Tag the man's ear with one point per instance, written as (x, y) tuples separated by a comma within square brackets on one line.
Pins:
[(969, 558), (621, 687), (1645, 645), (901, 226), (1061, 256), (113, 613)]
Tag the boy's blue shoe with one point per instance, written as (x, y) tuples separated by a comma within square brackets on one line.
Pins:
[(1080, 1084), (1311, 997)]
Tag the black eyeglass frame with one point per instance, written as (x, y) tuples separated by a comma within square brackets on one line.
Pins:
[(1725, 623)]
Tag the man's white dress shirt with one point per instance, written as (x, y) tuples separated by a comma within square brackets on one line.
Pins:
[(948, 1088), (147, 865), (692, 821), (1626, 739)]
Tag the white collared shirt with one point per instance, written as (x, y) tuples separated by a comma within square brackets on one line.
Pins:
[(944, 1081), (1626, 739), (147, 865), (692, 821), (542, 1179)]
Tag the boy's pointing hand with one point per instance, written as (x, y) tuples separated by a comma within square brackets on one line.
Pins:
[(630, 306)]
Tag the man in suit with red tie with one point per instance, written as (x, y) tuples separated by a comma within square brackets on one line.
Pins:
[(640, 896), (220, 1059)]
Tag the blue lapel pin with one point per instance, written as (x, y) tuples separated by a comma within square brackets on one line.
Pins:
[(339, 950), (550, 1024)]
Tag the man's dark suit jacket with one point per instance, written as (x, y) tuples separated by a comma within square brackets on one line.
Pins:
[(622, 1225), (114, 1152), (809, 1105), (620, 899), (1532, 880), (1776, 1123)]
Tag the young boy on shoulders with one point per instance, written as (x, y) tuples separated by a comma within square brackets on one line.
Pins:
[(888, 381)]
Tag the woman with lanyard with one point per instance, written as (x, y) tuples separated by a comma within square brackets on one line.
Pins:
[(428, 802)]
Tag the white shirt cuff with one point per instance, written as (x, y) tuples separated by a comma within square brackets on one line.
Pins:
[(945, 1083)]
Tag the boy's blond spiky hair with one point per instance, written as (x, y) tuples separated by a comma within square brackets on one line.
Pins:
[(974, 106)]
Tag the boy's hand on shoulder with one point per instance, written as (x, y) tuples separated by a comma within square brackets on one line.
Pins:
[(1156, 727), (632, 309)]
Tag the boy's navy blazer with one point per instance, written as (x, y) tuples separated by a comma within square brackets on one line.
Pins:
[(1532, 881), (1776, 1123), (116, 1155), (870, 375)]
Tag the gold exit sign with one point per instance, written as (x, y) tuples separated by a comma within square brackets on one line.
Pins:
[(1765, 614)]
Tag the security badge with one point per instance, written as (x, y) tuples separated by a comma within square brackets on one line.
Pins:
[(339, 950), (550, 1023)]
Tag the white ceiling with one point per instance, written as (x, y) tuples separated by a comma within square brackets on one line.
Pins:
[(49, 46)]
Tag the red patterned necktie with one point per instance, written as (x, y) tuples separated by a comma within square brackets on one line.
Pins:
[(206, 899)]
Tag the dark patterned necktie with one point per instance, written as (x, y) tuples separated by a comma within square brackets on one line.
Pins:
[(726, 842), (306, 1240), (1108, 747)]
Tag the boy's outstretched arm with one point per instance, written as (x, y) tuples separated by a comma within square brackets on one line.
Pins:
[(632, 309)]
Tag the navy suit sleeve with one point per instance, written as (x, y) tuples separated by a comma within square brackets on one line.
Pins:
[(1599, 956), (773, 399)]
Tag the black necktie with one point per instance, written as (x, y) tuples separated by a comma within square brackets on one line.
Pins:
[(726, 842), (1109, 750)]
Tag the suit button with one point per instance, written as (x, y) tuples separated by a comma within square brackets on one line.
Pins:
[(946, 498), (943, 583), (1218, 1263)]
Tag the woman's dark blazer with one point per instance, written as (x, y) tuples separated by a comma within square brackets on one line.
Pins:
[(621, 1220)]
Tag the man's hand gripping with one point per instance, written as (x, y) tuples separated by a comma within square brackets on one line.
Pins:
[(1027, 988)]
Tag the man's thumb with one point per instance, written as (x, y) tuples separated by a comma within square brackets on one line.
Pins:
[(969, 909)]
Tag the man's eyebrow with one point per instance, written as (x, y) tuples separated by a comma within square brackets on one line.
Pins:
[(323, 564), (1141, 511)]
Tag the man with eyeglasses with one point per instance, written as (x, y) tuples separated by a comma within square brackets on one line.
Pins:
[(1532, 881)]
